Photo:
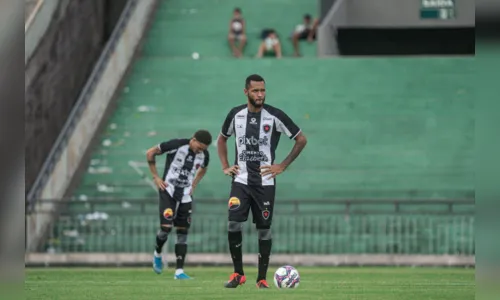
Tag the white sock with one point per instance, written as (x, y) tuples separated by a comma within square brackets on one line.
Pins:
[(156, 254), (179, 271)]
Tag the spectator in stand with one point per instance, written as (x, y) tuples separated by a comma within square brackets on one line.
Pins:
[(237, 33), (305, 31)]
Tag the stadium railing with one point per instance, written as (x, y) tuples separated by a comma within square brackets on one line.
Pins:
[(315, 232), (32, 7)]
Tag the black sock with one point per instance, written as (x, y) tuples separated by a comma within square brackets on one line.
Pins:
[(161, 239), (264, 253), (180, 254), (235, 239)]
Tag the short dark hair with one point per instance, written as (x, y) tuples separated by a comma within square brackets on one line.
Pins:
[(253, 77), (203, 136), (307, 16), (237, 9)]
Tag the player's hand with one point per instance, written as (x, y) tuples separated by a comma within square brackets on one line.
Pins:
[(232, 171), (273, 170), (193, 187), (160, 183)]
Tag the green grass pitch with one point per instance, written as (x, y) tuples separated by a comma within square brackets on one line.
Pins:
[(316, 283)]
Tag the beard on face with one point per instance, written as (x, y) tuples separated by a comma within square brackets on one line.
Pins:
[(254, 104)]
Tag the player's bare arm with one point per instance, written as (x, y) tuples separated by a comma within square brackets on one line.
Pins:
[(151, 158), (274, 170), (199, 176), (222, 152)]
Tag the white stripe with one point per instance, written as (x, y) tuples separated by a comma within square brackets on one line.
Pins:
[(170, 175), (242, 177), (230, 130), (300, 130), (266, 149)]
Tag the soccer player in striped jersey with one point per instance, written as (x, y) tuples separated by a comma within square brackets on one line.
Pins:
[(186, 164), (257, 128)]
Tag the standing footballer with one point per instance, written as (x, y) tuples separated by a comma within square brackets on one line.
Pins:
[(186, 164), (257, 128)]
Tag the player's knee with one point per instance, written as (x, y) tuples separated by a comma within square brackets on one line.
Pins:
[(182, 235), (163, 232), (233, 226), (264, 233)]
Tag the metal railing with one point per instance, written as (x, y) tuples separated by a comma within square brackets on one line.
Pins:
[(345, 206), (33, 6), (443, 227)]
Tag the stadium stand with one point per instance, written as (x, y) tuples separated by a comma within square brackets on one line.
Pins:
[(378, 128)]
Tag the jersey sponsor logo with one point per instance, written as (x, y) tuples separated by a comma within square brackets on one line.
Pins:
[(240, 116), (266, 128), (252, 141), (252, 156), (267, 119), (180, 183), (266, 214), (234, 203), (253, 121), (181, 171), (168, 214)]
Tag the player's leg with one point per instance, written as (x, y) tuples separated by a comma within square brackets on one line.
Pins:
[(182, 222), (262, 211), (166, 209), (238, 208)]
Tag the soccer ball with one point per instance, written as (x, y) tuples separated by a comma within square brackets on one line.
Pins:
[(286, 277)]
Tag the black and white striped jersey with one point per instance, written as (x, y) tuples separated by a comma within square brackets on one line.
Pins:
[(257, 136), (181, 166)]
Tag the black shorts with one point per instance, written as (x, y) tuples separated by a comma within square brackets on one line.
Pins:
[(174, 212), (260, 199), (305, 34)]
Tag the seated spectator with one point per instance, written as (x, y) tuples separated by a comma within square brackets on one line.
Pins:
[(237, 33), (305, 31), (270, 45)]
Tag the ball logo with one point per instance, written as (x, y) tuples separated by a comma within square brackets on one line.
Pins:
[(266, 128), (234, 203), (168, 213), (266, 214)]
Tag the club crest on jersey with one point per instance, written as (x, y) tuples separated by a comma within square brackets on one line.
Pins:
[(266, 214), (234, 203), (197, 166), (266, 128), (168, 213)]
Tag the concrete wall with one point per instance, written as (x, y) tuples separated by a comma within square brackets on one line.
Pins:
[(324, 8), (384, 14), (401, 13), (62, 44), (87, 114), (55, 73)]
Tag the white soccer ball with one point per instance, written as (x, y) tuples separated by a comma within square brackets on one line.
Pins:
[(195, 55), (286, 277)]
